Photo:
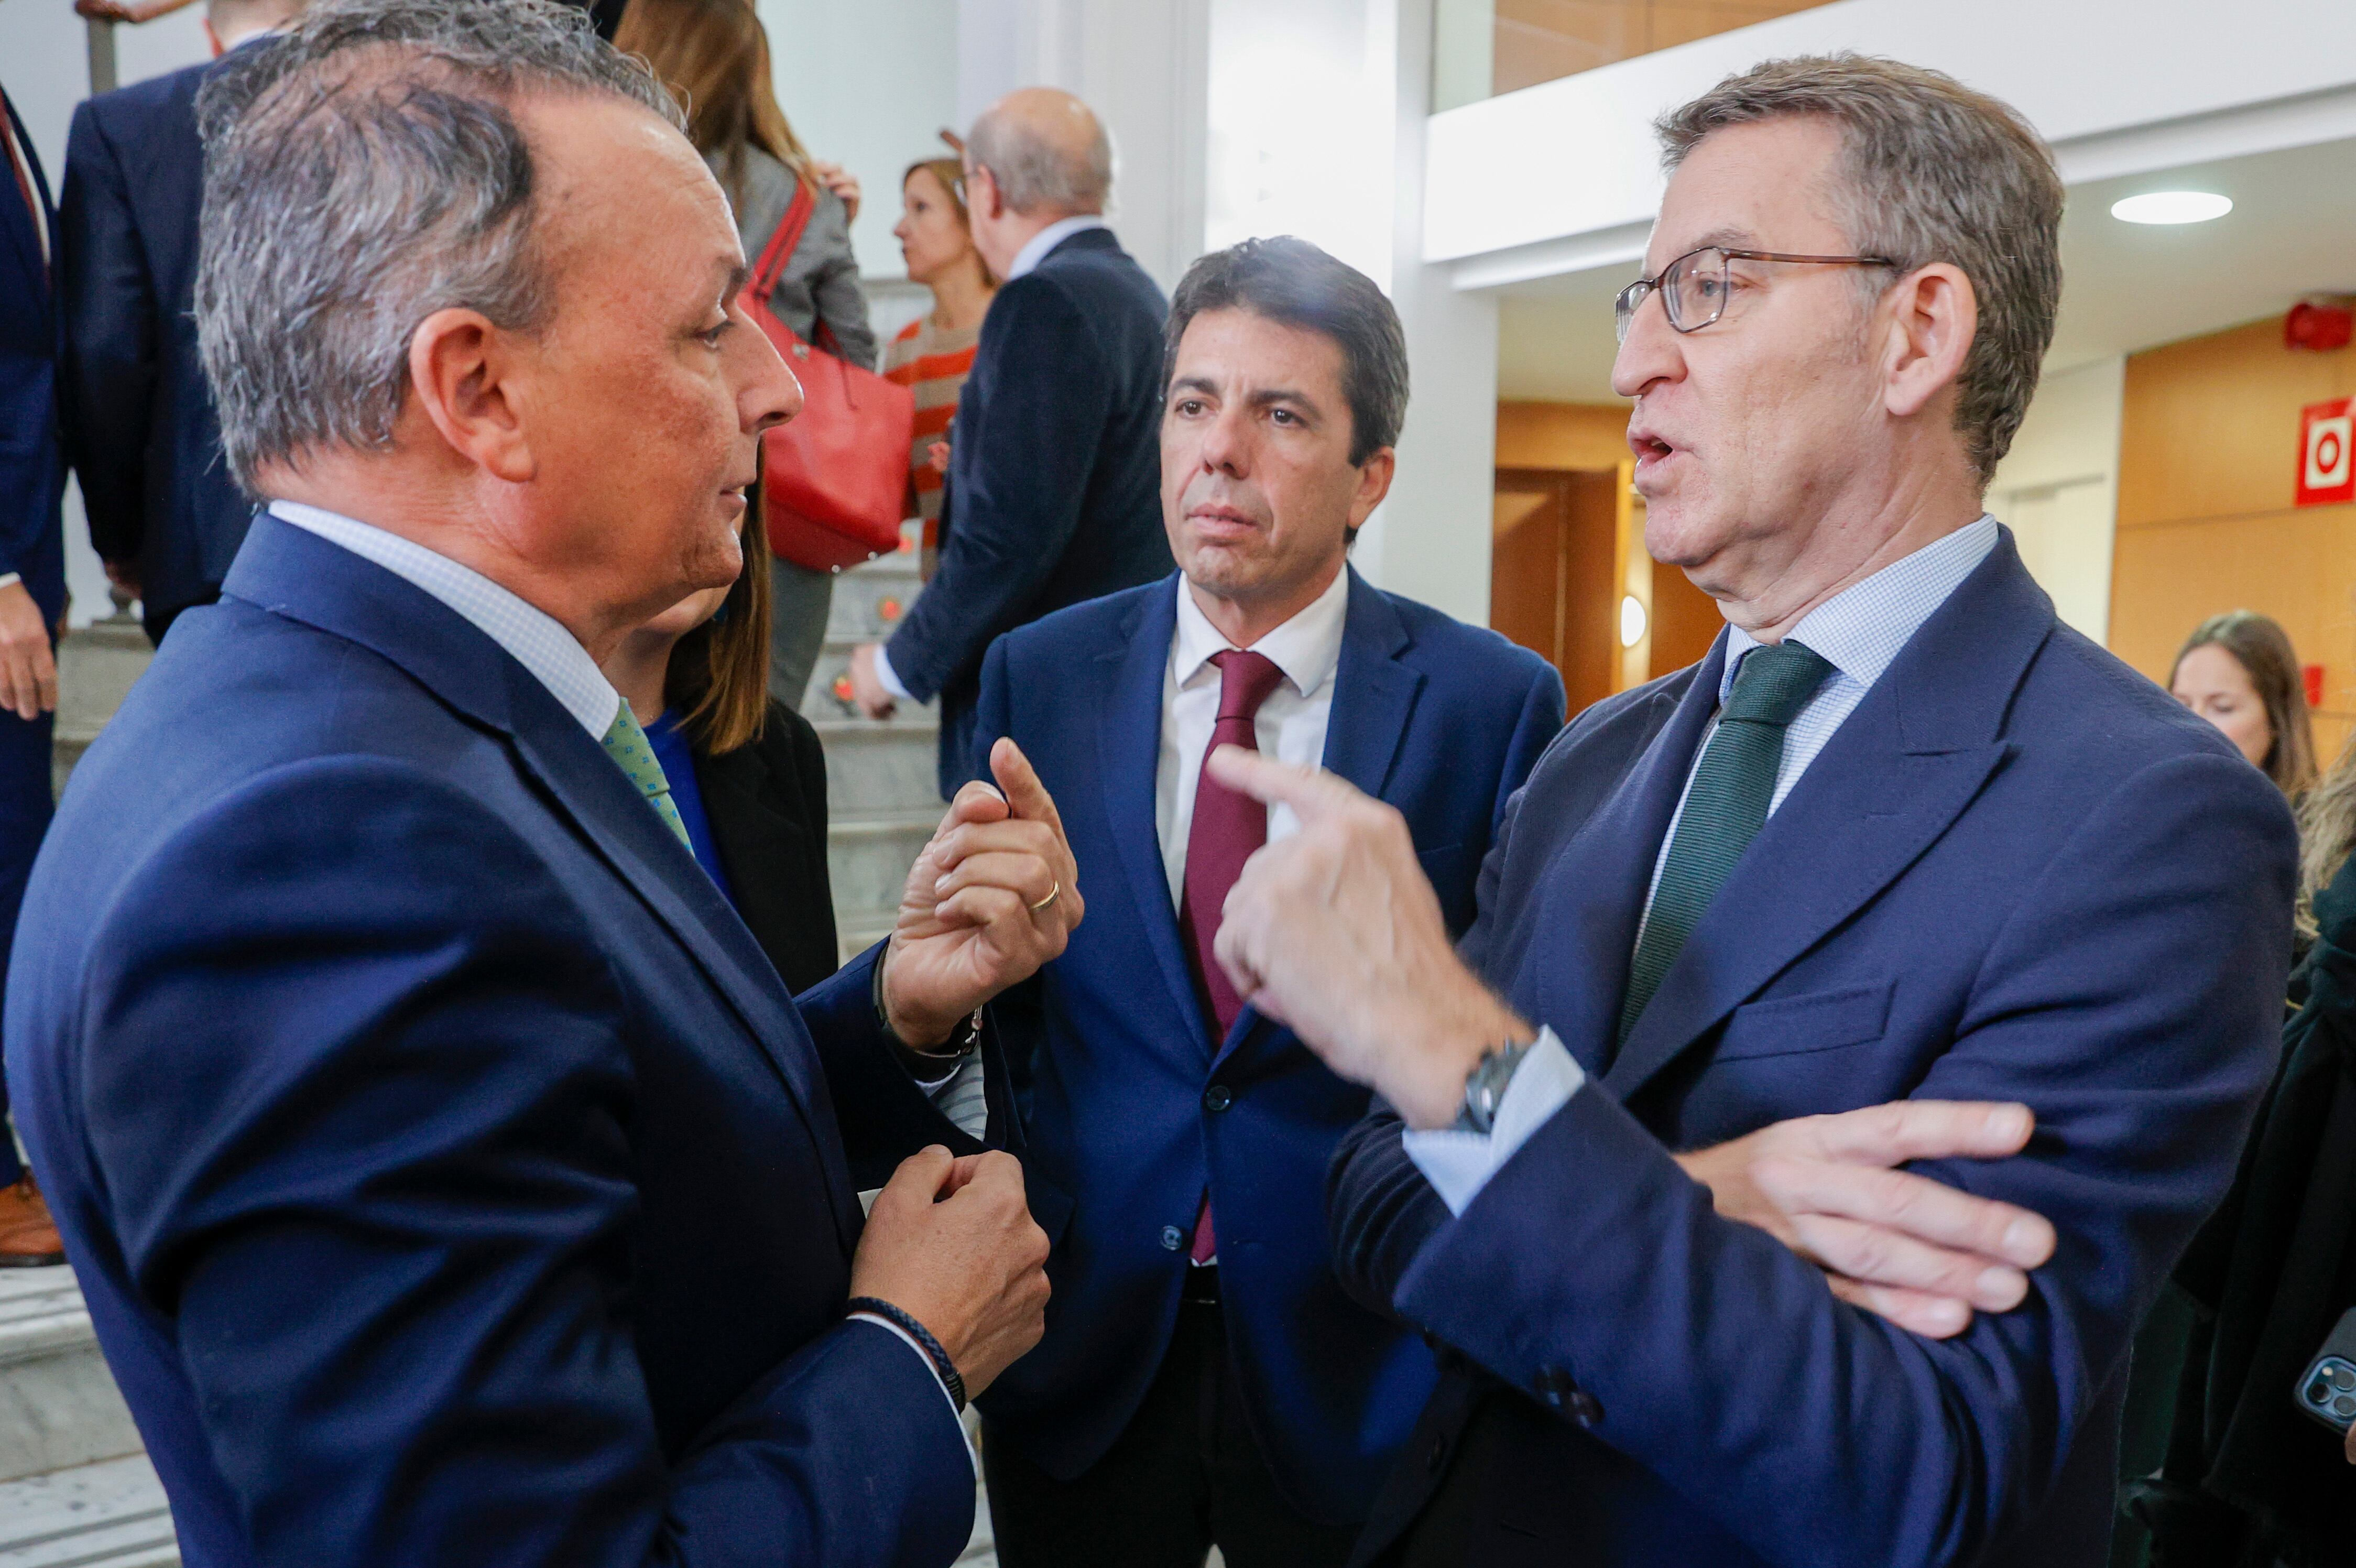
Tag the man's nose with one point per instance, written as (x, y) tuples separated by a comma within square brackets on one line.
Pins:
[(1650, 352), (1226, 444), (767, 393)]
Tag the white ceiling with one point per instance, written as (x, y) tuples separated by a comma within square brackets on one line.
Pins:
[(2125, 286)]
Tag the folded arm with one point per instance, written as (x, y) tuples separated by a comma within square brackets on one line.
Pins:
[(2130, 1004)]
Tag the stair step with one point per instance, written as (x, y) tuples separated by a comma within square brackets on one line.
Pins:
[(59, 1406), (108, 1515)]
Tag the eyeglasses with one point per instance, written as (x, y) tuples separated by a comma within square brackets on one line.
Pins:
[(1693, 288)]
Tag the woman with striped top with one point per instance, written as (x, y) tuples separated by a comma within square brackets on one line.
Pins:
[(933, 356)]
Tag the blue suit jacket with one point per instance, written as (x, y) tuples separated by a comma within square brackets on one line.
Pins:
[(2017, 872), (451, 1178), (32, 462), (140, 417), (1055, 482), (1444, 721)]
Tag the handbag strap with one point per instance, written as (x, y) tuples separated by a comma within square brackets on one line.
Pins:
[(780, 248)]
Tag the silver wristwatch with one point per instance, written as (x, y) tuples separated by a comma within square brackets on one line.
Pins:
[(1484, 1086)]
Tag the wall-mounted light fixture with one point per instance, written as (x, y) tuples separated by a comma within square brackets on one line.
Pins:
[(1632, 620)]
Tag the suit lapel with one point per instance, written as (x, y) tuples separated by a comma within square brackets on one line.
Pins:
[(294, 573), (20, 225), (1901, 767), (1129, 759), (1374, 694), (1373, 699), (1590, 915)]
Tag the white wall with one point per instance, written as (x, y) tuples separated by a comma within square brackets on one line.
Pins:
[(868, 86), (1141, 65), (2059, 489)]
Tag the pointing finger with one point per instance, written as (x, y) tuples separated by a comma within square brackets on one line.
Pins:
[(1025, 795), (1310, 792)]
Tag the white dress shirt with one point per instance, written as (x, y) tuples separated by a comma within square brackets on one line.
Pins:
[(533, 637), (1290, 726), (1034, 251), (1859, 630)]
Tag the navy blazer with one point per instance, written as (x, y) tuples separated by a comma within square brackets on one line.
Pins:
[(2017, 871), (1133, 1108), (32, 462), (1055, 482), (139, 412), (451, 1178)]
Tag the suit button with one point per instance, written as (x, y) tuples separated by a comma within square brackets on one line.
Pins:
[(1172, 1238), (1218, 1097), (1584, 1408), (1554, 1387)]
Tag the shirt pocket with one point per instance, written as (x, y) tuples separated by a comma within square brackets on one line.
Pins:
[(1799, 1025)]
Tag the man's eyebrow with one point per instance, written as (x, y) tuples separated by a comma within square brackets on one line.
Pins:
[(1194, 383), (733, 283)]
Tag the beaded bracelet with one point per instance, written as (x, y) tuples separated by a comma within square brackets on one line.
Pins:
[(923, 1336)]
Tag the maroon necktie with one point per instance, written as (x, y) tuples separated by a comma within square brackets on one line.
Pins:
[(1228, 826)]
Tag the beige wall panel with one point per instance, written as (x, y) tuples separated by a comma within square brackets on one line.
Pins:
[(2211, 423), (1561, 434)]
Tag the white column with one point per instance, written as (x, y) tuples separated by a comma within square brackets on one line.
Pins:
[(1141, 67)]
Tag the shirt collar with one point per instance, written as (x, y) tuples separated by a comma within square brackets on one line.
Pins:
[(1307, 647), (533, 637), (1860, 629), (1036, 249)]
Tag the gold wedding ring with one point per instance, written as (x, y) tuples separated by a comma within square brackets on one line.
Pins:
[(1043, 905)]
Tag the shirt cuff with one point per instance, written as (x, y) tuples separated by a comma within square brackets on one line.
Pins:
[(905, 1338), (10, 579), (1458, 1163), (889, 676)]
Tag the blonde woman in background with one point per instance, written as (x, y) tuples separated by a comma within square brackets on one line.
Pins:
[(934, 354), (714, 55)]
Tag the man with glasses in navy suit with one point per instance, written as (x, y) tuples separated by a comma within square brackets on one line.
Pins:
[(1203, 1380), (1901, 836)]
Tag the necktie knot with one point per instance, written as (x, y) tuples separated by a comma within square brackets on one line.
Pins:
[(1245, 679), (1774, 684)]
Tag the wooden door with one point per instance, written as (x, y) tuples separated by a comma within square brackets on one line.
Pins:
[(1552, 553)]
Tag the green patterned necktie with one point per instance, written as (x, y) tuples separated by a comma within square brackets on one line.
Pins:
[(627, 744), (1725, 808)]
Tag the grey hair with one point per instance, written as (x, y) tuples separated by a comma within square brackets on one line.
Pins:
[(362, 172), (1929, 171), (1033, 174)]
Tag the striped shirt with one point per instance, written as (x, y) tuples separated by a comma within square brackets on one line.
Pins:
[(934, 365)]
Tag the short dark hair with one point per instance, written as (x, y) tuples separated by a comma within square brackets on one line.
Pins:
[(1292, 282)]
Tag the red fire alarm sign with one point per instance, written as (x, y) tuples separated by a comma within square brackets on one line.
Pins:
[(2327, 475)]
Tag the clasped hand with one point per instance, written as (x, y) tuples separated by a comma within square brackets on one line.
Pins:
[(1335, 931)]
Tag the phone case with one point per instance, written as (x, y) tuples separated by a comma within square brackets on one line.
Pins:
[(2326, 1389)]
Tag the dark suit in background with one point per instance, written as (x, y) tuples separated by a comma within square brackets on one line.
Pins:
[(2015, 871), (766, 805), (1136, 1108), (1054, 479), (140, 417), (32, 486)]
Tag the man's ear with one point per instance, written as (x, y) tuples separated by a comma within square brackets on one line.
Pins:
[(462, 371), (1935, 316), (984, 199), (1374, 484)]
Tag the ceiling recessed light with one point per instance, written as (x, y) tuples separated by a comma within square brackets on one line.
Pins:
[(2172, 207)]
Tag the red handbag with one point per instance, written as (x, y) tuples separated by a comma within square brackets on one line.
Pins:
[(833, 475)]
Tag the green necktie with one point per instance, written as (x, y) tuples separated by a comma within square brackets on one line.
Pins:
[(627, 744), (1725, 808)]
